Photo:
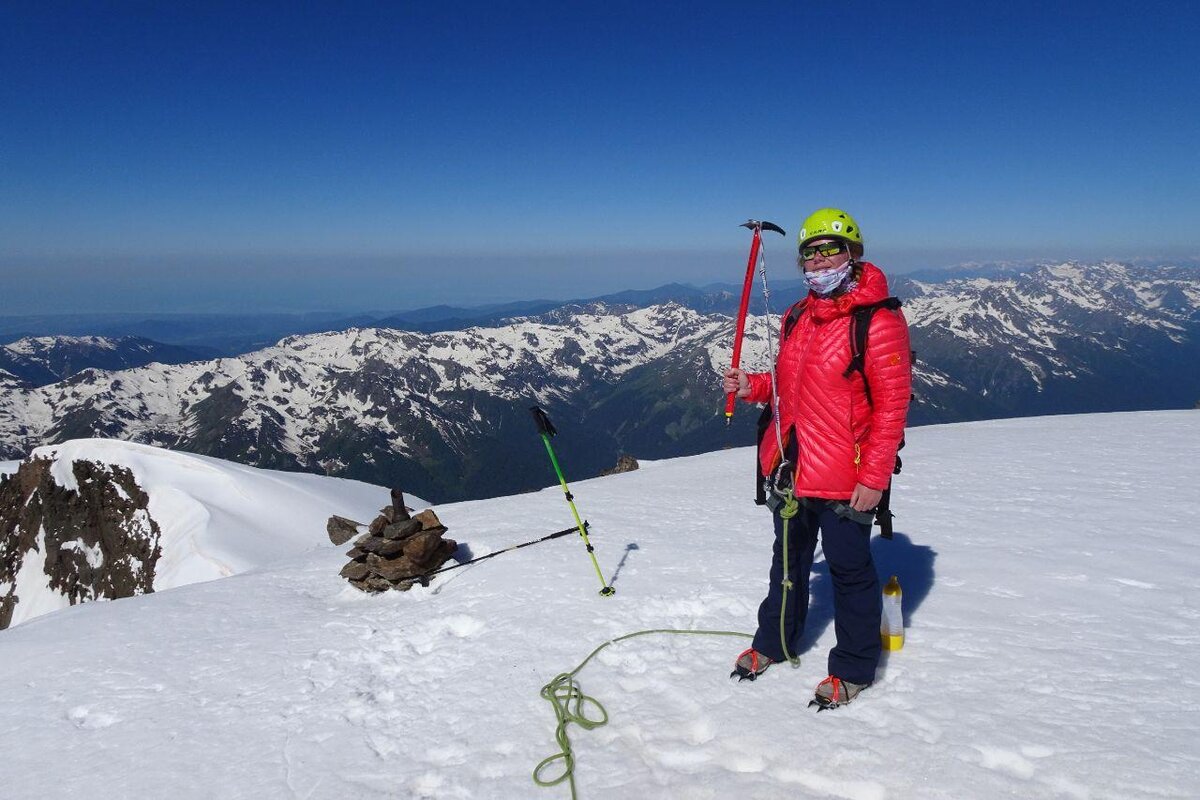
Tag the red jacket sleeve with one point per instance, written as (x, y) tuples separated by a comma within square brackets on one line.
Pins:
[(888, 369), (760, 387), (760, 382)]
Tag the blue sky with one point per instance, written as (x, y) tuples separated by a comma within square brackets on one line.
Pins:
[(208, 156)]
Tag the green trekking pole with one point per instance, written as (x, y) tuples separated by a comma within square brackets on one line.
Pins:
[(546, 430)]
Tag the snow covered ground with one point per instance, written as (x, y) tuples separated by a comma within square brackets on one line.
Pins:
[(1052, 592)]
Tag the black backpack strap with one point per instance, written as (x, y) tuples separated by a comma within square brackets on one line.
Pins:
[(764, 424), (792, 317), (860, 328), (883, 513)]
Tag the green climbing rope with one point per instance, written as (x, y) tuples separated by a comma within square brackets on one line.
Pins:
[(571, 704), (790, 508)]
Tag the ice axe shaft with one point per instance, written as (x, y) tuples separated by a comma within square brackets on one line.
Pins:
[(755, 245)]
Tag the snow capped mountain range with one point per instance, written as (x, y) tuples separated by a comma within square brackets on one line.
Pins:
[(1055, 339), (40, 360), (323, 401), (437, 412)]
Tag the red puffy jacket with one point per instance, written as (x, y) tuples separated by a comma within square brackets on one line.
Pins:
[(843, 439)]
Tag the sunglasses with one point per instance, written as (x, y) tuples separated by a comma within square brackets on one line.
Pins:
[(827, 249)]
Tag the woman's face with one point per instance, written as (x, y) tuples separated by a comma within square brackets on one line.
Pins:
[(819, 261)]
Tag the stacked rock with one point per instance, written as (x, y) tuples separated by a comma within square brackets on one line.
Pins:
[(397, 551)]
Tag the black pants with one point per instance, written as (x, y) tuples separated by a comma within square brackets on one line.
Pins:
[(856, 593)]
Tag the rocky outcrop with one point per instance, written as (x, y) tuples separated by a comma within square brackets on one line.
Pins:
[(93, 541), (626, 463), (396, 551)]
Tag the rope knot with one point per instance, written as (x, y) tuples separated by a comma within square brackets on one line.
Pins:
[(791, 506)]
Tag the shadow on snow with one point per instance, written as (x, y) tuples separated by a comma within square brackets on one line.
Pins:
[(911, 563)]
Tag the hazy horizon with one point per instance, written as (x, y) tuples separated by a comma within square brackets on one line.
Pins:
[(372, 285)]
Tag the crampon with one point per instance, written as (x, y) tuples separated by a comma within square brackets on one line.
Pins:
[(833, 692), (750, 664)]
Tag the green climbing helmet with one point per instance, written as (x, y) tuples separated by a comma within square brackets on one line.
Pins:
[(830, 222)]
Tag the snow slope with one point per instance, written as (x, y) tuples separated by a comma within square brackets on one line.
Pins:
[(1051, 581), (217, 518)]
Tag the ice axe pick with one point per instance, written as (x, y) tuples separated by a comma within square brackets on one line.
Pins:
[(758, 226)]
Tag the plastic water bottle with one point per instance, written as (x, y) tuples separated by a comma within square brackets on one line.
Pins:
[(891, 626)]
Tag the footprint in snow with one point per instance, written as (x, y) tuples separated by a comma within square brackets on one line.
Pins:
[(1001, 760), (700, 732), (460, 625), (831, 787), (85, 719), (1136, 584), (1036, 751)]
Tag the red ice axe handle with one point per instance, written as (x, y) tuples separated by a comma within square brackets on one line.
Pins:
[(755, 243)]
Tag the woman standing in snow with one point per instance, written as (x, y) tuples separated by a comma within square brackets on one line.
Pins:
[(833, 447)]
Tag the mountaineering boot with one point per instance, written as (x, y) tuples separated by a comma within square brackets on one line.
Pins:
[(750, 664), (834, 692)]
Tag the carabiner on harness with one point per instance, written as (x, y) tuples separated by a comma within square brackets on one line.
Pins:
[(778, 486)]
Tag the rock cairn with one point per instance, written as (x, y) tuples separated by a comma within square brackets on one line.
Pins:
[(397, 551)]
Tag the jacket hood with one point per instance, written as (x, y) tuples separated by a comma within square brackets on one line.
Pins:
[(872, 287)]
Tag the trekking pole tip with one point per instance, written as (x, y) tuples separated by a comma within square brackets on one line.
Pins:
[(607, 591)]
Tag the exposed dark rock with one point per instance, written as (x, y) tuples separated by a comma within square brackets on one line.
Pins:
[(95, 541), (428, 519), (626, 463), (401, 510), (401, 530), (372, 544), (341, 530), (355, 570), (397, 569), (391, 548), (420, 548), (372, 583), (447, 549)]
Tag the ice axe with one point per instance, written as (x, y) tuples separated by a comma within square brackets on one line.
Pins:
[(758, 226)]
